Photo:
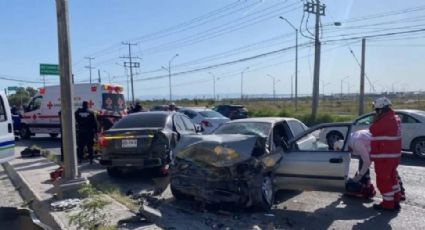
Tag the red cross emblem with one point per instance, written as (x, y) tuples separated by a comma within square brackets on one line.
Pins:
[(50, 105), (91, 103), (34, 117)]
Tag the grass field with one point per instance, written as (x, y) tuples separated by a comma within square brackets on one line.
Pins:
[(330, 109)]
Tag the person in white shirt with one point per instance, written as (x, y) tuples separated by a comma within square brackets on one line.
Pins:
[(359, 144)]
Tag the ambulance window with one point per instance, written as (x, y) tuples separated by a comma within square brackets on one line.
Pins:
[(35, 104), (3, 116)]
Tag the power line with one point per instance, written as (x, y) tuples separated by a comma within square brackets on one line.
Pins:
[(19, 80)]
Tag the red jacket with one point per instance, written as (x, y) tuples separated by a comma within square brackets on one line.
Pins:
[(386, 137)]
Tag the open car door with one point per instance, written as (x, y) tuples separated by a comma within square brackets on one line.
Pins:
[(310, 164)]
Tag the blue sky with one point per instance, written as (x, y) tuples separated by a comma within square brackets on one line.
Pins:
[(208, 33)]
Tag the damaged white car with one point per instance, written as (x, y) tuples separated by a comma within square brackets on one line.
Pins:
[(246, 161)]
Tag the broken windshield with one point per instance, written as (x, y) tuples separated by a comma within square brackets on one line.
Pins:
[(261, 129)]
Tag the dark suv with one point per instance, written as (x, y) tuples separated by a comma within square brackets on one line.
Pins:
[(232, 111)]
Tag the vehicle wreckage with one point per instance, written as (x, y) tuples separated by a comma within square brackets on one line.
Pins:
[(225, 168), (245, 162)]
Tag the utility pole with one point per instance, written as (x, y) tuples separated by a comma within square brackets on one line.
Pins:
[(296, 64), (90, 67), (66, 93), (98, 75), (319, 10), (131, 65)]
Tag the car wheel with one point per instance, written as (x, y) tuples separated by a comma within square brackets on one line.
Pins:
[(25, 132), (53, 135), (333, 137), (179, 195), (113, 171), (265, 195), (418, 147)]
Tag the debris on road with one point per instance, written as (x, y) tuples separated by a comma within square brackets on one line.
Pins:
[(151, 214), (55, 175), (30, 152), (65, 204)]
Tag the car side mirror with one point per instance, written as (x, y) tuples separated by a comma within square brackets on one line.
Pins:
[(199, 128)]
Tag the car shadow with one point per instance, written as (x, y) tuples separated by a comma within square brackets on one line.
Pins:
[(410, 159), (175, 214)]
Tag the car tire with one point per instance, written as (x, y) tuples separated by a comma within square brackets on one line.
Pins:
[(264, 197), (179, 195), (332, 137), (25, 132), (418, 147), (113, 171), (54, 135)]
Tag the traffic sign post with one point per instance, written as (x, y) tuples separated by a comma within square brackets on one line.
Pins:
[(12, 88), (49, 69)]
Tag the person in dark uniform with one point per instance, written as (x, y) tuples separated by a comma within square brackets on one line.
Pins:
[(86, 130)]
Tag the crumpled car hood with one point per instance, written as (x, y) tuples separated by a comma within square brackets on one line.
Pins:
[(216, 150)]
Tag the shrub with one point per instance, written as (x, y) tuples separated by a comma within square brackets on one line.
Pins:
[(91, 216)]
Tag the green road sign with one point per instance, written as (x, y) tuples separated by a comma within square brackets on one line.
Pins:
[(12, 88), (49, 69)]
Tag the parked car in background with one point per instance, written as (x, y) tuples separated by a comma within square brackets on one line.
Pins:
[(246, 161), (207, 118), (143, 140), (162, 108), (412, 130), (232, 111)]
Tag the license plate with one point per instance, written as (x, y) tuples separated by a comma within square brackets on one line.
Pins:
[(130, 143)]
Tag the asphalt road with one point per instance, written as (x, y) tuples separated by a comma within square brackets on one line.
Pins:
[(294, 210)]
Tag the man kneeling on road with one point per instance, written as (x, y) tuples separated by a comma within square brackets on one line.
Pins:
[(359, 145)]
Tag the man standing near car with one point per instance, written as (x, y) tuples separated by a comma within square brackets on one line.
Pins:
[(386, 153), (86, 130)]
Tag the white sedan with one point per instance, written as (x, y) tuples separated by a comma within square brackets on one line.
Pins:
[(207, 118), (412, 130)]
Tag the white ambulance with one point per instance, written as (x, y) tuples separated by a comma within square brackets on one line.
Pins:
[(41, 115)]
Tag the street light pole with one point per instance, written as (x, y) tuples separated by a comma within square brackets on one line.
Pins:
[(169, 74), (242, 81), (324, 84), (213, 76), (296, 61), (274, 84), (342, 82)]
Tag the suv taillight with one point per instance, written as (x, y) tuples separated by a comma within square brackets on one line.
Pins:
[(102, 142)]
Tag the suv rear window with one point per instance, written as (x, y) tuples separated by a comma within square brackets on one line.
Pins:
[(143, 120), (210, 113), (2, 111)]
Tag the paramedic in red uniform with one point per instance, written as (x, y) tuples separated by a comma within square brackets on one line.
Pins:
[(385, 153)]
